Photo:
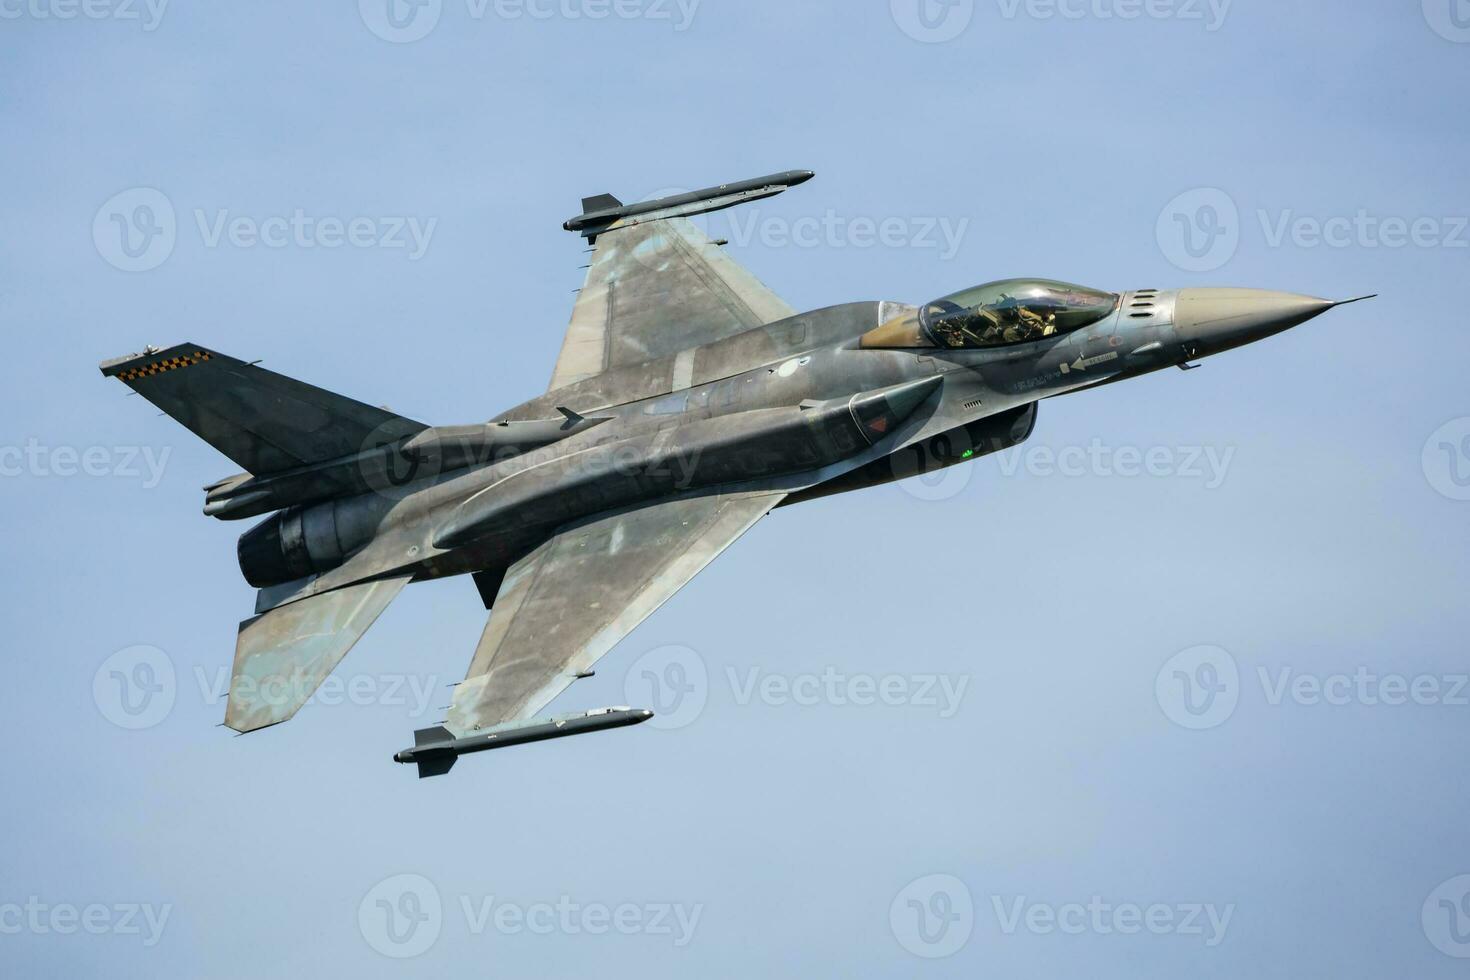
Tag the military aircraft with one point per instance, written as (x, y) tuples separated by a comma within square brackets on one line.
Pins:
[(688, 402)]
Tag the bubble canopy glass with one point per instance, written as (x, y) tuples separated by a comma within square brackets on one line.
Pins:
[(1013, 311)]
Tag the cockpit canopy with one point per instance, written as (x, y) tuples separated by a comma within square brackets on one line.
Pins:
[(1013, 311)]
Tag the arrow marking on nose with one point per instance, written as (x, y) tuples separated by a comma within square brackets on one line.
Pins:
[(1083, 363)]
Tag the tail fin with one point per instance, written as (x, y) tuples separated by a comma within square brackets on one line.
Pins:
[(602, 202), (434, 765), (263, 421)]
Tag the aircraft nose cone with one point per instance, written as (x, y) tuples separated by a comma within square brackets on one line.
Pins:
[(1218, 319)]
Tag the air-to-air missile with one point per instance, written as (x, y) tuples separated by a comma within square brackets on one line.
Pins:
[(601, 211), (436, 750)]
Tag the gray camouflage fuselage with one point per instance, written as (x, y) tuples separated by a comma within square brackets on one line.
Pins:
[(475, 502)]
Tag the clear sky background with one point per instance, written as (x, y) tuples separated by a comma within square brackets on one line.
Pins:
[(1061, 598)]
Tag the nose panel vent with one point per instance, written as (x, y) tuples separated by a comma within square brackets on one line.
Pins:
[(1142, 304)]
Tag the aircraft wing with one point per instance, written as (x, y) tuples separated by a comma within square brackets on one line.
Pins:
[(657, 287), (571, 600)]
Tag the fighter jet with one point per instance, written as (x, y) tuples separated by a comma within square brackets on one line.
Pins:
[(687, 403)]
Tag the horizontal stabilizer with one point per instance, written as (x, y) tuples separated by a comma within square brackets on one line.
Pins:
[(283, 656), (265, 422)]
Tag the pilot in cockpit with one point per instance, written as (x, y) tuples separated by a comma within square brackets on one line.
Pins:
[(1013, 311)]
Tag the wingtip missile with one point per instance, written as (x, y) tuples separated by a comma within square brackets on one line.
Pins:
[(436, 750), (593, 221)]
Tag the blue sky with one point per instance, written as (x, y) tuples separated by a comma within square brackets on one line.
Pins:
[(1039, 792)]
